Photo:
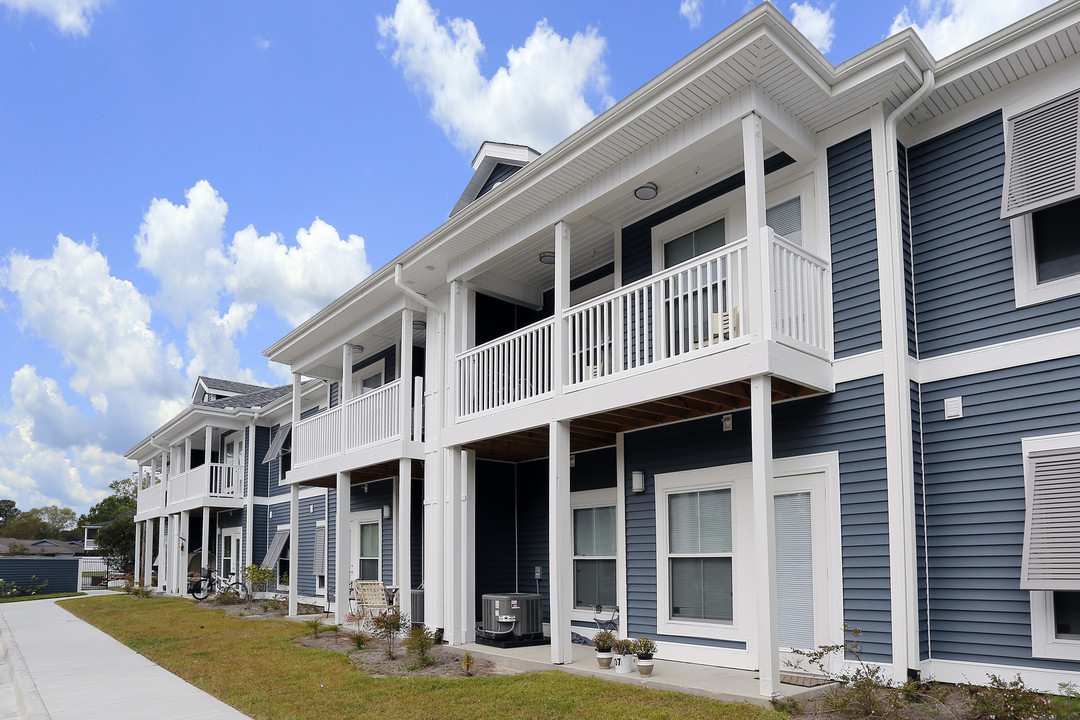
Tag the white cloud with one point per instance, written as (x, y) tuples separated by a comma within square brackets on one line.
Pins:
[(691, 10), (210, 337), (536, 99), (815, 23), (949, 25), (295, 280), (39, 410), (181, 245), (70, 16)]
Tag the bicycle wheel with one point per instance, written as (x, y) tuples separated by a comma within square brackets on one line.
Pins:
[(240, 589), (200, 589)]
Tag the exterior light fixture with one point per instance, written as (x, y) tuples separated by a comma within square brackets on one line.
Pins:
[(357, 348), (386, 512), (419, 325), (637, 481), (648, 191), (547, 257)]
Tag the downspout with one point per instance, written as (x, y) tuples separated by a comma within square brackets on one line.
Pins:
[(897, 384), (433, 577)]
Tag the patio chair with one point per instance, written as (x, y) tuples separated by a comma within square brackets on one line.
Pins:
[(369, 598), (606, 617)]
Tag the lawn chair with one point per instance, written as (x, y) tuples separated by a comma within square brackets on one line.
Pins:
[(606, 617), (369, 598)]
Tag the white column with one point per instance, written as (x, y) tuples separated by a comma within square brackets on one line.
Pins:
[(761, 449), (403, 531), (468, 545), (163, 551), (560, 553), (433, 467), (184, 542), (173, 555), (205, 559), (296, 383), (148, 555), (405, 363), (341, 548), (294, 545), (345, 391), (758, 241), (451, 546), (187, 453), (138, 553), (208, 443), (561, 341)]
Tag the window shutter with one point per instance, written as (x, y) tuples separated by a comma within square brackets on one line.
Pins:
[(1051, 530), (319, 564), (786, 220), (1041, 149)]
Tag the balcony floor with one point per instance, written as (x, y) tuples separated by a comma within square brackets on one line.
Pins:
[(600, 429), (704, 680)]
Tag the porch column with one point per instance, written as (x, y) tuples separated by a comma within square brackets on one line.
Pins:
[(757, 240), (452, 576), (163, 551), (761, 448), (187, 453), (345, 391), (205, 560), (208, 443), (148, 555), (405, 362), (294, 545), (403, 531), (438, 355), (296, 383), (468, 545), (560, 554), (560, 345), (138, 553), (182, 551), (170, 564), (341, 548)]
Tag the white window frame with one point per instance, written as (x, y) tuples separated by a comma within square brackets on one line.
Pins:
[(1044, 640), (359, 376), (1027, 289), (607, 497)]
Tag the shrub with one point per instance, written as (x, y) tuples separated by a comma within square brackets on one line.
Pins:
[(644, 647), (360, 639), (624, 646), (1003, 700), (468, 662), (12, 590), (315, 625), (603, 641), (419, 644), (259, 578), (228, 596), (388, 625)]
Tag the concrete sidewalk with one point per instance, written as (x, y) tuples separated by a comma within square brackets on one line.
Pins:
[(54, 666)]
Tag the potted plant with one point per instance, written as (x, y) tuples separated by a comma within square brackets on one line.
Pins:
[(603, 641), (623, 655), (644, 647)]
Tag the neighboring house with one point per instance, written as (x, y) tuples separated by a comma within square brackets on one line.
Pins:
[(769, 348), (90, 532), (208, 485), (54, 548)]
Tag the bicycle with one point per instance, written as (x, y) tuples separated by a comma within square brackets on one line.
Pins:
[(211, 584)]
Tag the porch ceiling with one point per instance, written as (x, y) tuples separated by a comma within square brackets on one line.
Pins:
[(596, 431), (371, 473)]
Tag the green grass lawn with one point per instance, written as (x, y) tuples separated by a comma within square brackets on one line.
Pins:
[(22, 598), (254, 666)]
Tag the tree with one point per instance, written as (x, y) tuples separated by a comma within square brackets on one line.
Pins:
[(38, 523), (108, 509), (116, 542), (7, 511), (126, 488)]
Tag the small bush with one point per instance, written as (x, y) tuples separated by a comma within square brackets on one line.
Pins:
[(315, 625), (625, 646), (388, 625), (259, 578), (361, 640), (1004, 700), (35, 587), (468, 662), (419, 643), (1067, 706), (228, 596), (644, 648), (138, 591), (603, 641)]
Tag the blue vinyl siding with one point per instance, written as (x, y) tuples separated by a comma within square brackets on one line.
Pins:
[(849, 421), (905, 232), (261, 471), (246, 460), (963, 251), (853, 226), (273, 468), (379, 493), (974, 482), (335, 394), (312, 510), (259, 540), (331, 541), (915, 398)]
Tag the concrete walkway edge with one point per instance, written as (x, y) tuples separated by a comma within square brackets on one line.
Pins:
[(27, 698)]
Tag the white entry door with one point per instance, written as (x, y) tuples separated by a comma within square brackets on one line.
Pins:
[(231, 556), (365, 543)]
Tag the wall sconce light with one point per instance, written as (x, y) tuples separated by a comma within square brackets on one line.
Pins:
[(547, 257), (648, 191), (386, 509), (637, 483)]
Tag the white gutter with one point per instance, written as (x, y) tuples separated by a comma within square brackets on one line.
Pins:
[(899, 459)]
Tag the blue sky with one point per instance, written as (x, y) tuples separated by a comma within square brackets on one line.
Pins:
[(183, 182)]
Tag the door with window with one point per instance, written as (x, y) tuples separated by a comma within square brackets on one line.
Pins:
[(231, 557), (365, 544), (594, 557)]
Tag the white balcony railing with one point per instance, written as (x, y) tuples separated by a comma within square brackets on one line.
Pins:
[(370, 419), (506, 371), (211, 480), (700, 306), (151, 497)]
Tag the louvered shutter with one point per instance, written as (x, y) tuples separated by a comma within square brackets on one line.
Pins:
[(1052, 522), (273, 553), (1042, 166), (320, 551)]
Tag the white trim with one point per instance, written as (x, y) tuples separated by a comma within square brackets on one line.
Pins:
[(1000, 356), (621, 592), (864, 365), (1044, 640), (738, 658), (958, 671), (1027, 289), (368, 371)]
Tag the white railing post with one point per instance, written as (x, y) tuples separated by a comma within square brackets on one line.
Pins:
[(760, 271), (418, 409)]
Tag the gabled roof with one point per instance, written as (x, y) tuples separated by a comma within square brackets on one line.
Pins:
[(253, 399), (219, 386), (494, 162)]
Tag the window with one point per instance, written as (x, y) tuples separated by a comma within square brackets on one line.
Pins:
[(369, 378), (694, 243), (699, 555), (594, 556), (1040, 198), (1050, 566), (282, 567), (368, 562), (318, 560)]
